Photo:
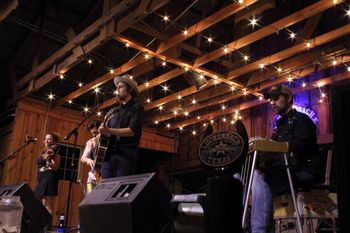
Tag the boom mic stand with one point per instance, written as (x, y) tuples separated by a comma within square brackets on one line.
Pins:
[(27, 141), (75, 133)]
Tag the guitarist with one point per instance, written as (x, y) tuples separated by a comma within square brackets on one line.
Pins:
[(89, 153), (124, 130)]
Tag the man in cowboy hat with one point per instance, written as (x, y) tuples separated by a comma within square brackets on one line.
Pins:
[(270, 177), (124, 130)]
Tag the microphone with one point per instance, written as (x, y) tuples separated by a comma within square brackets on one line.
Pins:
[(29, 139)]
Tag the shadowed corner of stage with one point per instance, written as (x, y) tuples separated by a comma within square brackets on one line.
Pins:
[(222, 155)]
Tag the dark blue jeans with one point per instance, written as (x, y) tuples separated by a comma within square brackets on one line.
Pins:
[(118, 165)]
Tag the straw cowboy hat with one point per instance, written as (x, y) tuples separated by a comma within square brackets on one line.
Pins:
[(127, 79)]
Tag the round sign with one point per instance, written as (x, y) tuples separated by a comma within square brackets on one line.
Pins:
[(221, 150)]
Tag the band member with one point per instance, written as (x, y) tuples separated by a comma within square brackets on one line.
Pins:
[(124, 130), (48, 164), (270, 177), (89, 153)]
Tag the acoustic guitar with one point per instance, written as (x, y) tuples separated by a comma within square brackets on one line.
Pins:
[(94, 176)]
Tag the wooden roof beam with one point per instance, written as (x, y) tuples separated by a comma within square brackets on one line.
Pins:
[(59, 54), (254, 66), (253, 103), (192, 49), (325, 38), (296, 17), (105, 33), (175, 61), (218, 99), (204, 24)]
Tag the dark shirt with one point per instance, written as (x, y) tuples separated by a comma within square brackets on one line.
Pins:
[(129, 115), (300, 132)]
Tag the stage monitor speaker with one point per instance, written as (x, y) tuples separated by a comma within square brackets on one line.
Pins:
[(35, 216), (129, 204)]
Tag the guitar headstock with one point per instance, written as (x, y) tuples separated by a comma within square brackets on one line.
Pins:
[(108, 116)]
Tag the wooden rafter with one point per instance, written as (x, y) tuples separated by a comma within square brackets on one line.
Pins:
[(325, 38), (296, 17), (204, 24), (254, 66), (313, 9), (94, 27), (217, 94), (253, 103), (105, 33)]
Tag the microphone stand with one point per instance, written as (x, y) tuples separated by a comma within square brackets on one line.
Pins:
[(75, 133), (14, 153)]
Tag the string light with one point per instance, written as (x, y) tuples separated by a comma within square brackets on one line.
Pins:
[(323, 95), (165, 88), (246, 58), (146, 56), (198, 117), (185, 32), (161, 107), (166, 18), (290, 79), (111, 71), (261, 66), (179, 97), (61, 76), (175, 112), (86, 109), (233, 88), (194, 101), (279, 69), (320, 100), (348, 12), (201, 76), (168, 125), (148, 100), (334, 62), (116, 92), (210, 40), (348, 68), (211, 121), (98, 113), (253, 21), (97, 90), (181, 128), (260, 98), (51, 96), (80, 84), (308, 44), (225, 50), (147, 84), (224, 119), (90, 61), (127, 45), (304, 84), (186, 68), (164, 63), (156, 122), (194, 132), (70, 101), (240, 1), (245, 92), (292, 35), (204, 124), (186, 114), (223, 107), (131, 77)]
